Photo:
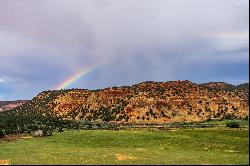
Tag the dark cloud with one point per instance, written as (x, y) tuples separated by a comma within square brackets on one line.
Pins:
[(43, 42)]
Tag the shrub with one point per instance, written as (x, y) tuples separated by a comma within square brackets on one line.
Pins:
[(1, 133), (47, 132), (60, 129), (229, 116), (208, 120), (233, 124)]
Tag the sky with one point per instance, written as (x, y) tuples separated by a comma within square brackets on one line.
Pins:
[(44, 43)]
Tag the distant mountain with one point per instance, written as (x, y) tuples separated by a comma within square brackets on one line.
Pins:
[(8, 105), (244, 86), (147, 102), (219, 86), (225, 86), (144, 103)]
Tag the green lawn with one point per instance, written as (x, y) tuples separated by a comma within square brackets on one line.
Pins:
[(244, 123), (134, 146)]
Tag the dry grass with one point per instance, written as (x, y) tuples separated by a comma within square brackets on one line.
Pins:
[(4, 162), (120, 157)]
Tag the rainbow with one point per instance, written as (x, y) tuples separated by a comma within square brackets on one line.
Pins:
[(76, 76)]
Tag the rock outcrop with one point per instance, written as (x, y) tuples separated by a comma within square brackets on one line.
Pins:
[(147, 102)]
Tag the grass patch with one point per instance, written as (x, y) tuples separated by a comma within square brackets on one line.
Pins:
[(133, 146)]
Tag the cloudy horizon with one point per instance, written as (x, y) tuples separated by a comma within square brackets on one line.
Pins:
[(42, 43)]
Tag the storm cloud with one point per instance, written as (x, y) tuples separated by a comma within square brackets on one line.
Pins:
[(44, 42)]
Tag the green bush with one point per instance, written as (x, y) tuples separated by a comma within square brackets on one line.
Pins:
[(233, 124), (1, 133), (208, 120)]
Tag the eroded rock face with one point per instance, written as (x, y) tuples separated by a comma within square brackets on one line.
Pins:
[(148, 102), (8, 105)]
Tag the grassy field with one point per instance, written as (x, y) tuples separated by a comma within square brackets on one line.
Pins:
[(243, 123), (133, 146)]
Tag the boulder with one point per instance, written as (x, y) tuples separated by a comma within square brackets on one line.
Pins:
[(38, 133)]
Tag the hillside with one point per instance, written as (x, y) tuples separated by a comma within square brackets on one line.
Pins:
[(225, 86), (147, 102), (8, 105)]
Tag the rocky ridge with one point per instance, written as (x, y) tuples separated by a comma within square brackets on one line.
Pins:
[(8, 105), (147, 102)]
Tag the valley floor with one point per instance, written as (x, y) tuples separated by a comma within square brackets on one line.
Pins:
[(131, 146)]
